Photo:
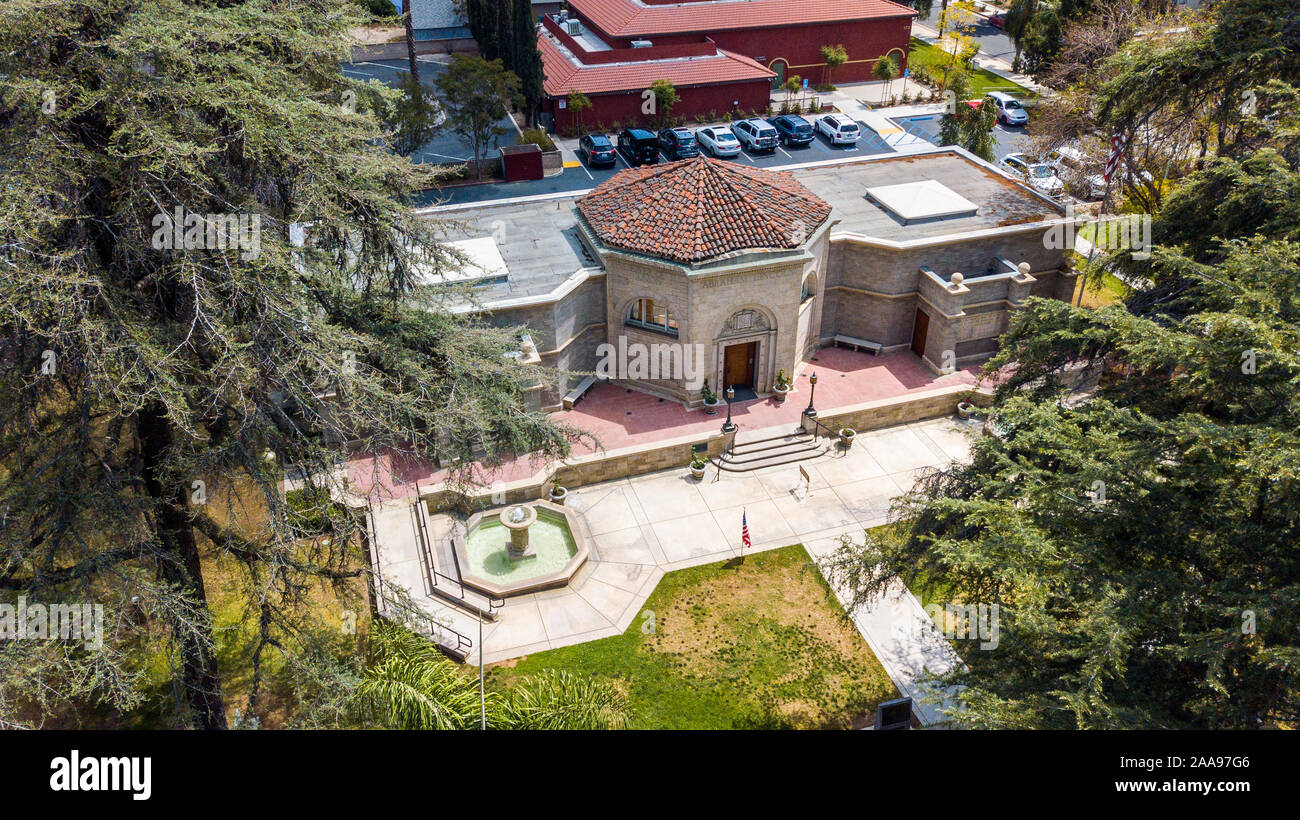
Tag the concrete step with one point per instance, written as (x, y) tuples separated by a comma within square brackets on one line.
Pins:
[(788, 451), (770, 442), (771, 452)]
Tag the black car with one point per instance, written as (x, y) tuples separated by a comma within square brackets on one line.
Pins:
[(678, 143), (794, 130), (596, 149), (638, 146)]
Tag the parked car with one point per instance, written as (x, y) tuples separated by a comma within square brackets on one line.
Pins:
[(596, 149), (998, 20), (638, 146), (1072, 166), (718, 141), (678, 143), (839, 129), (1040, 175), (1010, 111), (756, 135), (793, 130)]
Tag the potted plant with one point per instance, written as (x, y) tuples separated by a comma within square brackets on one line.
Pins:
[(710, 399), (846, 437), (697, 467), (781, 386), (964, 406), (558, 492)]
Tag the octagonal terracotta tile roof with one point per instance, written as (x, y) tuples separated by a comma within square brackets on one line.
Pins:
[(697, 209)]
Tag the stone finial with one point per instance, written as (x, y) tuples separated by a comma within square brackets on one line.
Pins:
[(1023, 267), (956, 279)]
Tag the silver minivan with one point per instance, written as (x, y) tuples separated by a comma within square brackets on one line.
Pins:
[(1010, 111)]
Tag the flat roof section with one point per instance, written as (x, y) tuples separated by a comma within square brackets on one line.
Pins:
[(927, 199), (537, 242), (999, 201)]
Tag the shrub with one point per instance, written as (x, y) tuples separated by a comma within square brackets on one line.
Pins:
[(540, 138), (379, 8)]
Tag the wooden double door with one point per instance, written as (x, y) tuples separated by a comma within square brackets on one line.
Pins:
[(740, 365)]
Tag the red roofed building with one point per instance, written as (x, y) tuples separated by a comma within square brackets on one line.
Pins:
[(616, 76), (785, 36)]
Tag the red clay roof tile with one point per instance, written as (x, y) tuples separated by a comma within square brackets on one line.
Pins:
[(624, 18), (697, 209), (564, 76)]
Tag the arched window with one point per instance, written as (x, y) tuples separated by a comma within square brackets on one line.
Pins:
[(652, 315), (806, 292)]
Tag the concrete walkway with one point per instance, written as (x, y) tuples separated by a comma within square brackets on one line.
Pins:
[(645, 526)]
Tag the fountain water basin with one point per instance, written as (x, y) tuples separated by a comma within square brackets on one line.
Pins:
[(521, 548)]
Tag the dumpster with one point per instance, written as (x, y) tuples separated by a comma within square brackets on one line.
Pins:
[(520, 162)]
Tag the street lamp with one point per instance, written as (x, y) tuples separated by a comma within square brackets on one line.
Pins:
[(810, 410), (727, 426)]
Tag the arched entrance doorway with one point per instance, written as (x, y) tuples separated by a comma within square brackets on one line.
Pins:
[(746, 352), (781, 68)]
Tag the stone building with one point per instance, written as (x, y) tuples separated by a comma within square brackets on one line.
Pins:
[(752, 270)]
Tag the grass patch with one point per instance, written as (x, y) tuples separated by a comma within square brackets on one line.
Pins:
[(1110, 291), (755, 644), (982, 81)]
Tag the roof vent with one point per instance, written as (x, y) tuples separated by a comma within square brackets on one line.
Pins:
[(641, 44)]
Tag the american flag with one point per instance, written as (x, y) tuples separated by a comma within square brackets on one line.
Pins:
[(744, 531), (1117, 143)]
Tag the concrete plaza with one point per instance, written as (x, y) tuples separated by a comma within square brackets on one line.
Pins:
[(644, 526)]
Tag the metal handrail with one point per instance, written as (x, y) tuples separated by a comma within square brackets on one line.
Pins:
[(463, 643), (432, 575), (818, 425)]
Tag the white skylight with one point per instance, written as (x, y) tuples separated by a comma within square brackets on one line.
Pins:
[(927, 199)]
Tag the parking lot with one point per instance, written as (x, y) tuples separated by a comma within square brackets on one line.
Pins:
[(445, 147), (579, 177)]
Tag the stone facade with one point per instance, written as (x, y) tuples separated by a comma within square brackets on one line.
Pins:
[(947, 296)]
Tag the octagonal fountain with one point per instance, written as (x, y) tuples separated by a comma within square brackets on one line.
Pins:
[(521, 548)]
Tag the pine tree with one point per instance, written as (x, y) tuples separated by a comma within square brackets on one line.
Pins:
[(527, 60), (161, 334)]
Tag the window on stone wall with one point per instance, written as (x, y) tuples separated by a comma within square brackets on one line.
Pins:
[(652, 315), (806, 292)]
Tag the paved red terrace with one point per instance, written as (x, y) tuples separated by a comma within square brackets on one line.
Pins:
[(620, 417)]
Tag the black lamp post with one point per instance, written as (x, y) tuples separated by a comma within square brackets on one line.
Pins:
[(810, 410), (727, 426)]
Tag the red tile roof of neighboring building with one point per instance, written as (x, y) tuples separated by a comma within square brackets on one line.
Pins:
[(624, 18), (697, 209), (564, 75)]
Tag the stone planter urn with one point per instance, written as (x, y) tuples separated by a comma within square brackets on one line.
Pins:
[(697, 469), (847, 434), (965, 409), (781, 386), (558, 494)]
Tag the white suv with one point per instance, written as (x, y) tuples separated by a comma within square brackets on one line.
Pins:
[(756, 135), (839, 129)]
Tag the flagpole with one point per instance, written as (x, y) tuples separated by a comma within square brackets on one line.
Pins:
[(1118, 143)]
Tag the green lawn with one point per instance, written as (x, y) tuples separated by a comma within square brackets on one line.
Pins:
[(982, 80), (758, 644)]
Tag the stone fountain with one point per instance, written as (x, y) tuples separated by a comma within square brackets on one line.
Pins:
[(517, 519), (546, 545)]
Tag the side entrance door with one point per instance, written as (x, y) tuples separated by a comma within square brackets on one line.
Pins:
[(738, 367), (919, 331)]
